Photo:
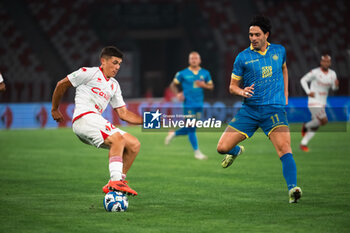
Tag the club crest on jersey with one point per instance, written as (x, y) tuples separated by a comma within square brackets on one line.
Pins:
[(99, 80), (275, 57), (112, 86), (108, 128)]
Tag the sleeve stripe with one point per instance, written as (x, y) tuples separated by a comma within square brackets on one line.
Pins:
[(120, 106), (236, 77)]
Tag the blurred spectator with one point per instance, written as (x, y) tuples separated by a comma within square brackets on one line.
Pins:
[(2, 84)]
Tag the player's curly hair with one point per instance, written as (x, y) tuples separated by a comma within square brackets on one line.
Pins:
[(263, 22), (111, 51)]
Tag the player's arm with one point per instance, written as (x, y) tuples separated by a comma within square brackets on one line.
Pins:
[(2, 86), (61, 88), (304, 83), (128, 116), (285, 79), (335, 85), (234, 89), (206, 85), (175, 88)]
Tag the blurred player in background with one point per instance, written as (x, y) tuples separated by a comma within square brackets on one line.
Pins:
[(262, 71), (193, 80), (2, 83), (321, 79), (95, 88)]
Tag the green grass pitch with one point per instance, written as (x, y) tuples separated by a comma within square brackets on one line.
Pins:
[(51, 182)]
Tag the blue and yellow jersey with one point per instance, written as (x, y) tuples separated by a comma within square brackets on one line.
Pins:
[(194, 95), (264, 69)]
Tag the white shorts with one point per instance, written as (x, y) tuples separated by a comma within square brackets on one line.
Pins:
[(93, 129), (318, 112)]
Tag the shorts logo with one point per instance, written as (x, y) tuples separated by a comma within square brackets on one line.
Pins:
[(151, 120)]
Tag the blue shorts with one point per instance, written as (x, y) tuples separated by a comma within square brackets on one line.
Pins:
[(195, 112), (250, 117)]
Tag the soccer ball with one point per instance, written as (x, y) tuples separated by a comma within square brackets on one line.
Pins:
[(115, 201)]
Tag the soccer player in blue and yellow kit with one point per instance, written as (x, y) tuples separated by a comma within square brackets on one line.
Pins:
[(193, 80), (262, 71)]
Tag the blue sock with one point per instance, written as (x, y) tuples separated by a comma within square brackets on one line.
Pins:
[(182, 131), (193, 138), (289, 169), (234, 151)]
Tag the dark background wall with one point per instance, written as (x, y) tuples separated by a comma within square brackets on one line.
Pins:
[(43, 41)]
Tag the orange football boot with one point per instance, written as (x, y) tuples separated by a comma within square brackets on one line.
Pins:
[(119, 185), (304, 148), (106, 190)]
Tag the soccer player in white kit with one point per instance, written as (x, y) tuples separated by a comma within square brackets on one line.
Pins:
[(95, 88), (2, 84), (322, 79)]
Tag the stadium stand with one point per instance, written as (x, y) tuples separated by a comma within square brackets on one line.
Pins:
[(66, 25), (25, 76), (305, 28)]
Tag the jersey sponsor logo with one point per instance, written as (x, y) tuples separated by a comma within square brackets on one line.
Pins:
[(251, 61), (323, 84), (99, 92), (266, 71)]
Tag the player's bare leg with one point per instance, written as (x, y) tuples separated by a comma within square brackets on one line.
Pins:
[(132, 148), (280, 138), (169, 137), (309, 130), (228, 142), (116, 143)]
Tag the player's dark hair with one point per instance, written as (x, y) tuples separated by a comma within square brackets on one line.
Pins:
[(111, 51), (263, 22)]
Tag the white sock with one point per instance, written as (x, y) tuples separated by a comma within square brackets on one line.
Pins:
[(314, 123), (115, 168), (307, 138)]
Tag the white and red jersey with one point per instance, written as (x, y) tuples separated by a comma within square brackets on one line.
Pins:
[(94, 91), (320, 84)]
